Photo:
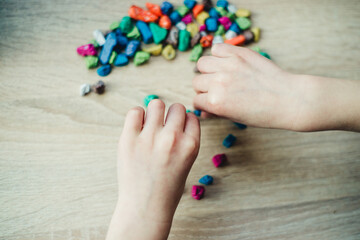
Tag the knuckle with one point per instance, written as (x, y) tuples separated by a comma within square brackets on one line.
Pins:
[(156, 103), (191, 144), (135, 112), (215, 101)]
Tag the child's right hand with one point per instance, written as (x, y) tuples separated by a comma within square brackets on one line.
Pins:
[(240, 84)]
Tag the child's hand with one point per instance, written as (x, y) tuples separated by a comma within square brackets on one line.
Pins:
[(246, 87), (154, 160)]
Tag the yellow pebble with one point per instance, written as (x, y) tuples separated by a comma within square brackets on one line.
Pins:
[(201, 17), (154, 49), (192, 28), (169, 52), (256, 32), (243, 13)]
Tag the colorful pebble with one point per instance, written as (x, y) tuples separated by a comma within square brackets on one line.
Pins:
[(197, 192), (85, 89), (184, 40), (159, 33), (154, 9), (222, 3), (104, 70), (187, 19), (206, 41), (243, 22), (243, 13), (265, 55), (190, 3), (131, 48), (201, 17), (99, 87), (182, 10), (197, 112), (149, 98), (87, 50), (99, 37), (144, 29), (249, 36), (230, 34), (112, 57), (206, 180), (231, 8), (138, 13), (236, 41), (211, 24), (154, 49), (175, 17), (220, 31), (221, 11), (169, 52), (165, 22), (234, 27), (192, 28), (181, 25), (91, 61), (217, 39), (173, 37), (226, 22), (219, 160), (256, 32), (214, 14), (126, 25), (114, 25), (121, 60), (229, 140), (141, 57), (195, 40), (198, 8), (166, 8), (107, 48), (240, 125), (207, 4), (196, 53), (134, 33)]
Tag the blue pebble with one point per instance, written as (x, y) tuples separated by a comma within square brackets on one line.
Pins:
[(190, 4), (145, 31), (206, 180), (222, 3), (197, 112), (121, 60), (175, 17), (104, 70), (240, 125), (229, 140), (214, 14), (166, 8), (107, 48), (211, 24), (234, 27), (132, 48)]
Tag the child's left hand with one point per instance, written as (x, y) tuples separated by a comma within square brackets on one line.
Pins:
[(154, 159)]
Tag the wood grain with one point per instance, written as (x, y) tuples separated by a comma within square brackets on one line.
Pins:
[(58, 150)]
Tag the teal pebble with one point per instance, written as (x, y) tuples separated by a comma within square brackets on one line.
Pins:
[(121, 60), (206, 180), (240, 125), (148, 99), (265, 55), (104, 70), (197, 112), (229, 140)]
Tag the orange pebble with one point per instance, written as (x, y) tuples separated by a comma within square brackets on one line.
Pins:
[(153, 8), (206, 41), (197, 9), (165, 22), (138, 13), (238, 40)]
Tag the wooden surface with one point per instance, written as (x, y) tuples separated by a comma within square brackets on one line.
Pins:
[(58, 150)]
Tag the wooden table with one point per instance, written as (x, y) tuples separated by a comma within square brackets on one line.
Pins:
[(58, 150)]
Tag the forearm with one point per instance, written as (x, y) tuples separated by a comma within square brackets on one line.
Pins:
[(335, 104)]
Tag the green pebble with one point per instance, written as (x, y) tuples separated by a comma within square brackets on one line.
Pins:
[(91, 61), (159, 33), (187, 110), (220, 31), (134, 33), (182, 10), (265, 55), (141, 57), (94, 42), (112, 57), (231, 16), (114, 26), (148, 98), (243, 23), (221, 11), (126, 25), (256, 49), (196, 53), (184, 40)]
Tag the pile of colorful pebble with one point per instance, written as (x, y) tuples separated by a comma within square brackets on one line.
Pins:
[(163, 28)]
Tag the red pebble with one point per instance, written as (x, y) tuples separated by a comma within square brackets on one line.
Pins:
[(206, 41), (219, 159), (165, 22), (153, 8), (87, 50), (138, 13), (197, 9), (238, 40), (197, 192)]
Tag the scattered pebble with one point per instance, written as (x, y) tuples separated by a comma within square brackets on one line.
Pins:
[(148, 99), (141, 57), (85, 89), (197, 192), (229, 140), (206, 180), (99, 87), (104, 70), (219, 159), (240, 125), (197, 112)]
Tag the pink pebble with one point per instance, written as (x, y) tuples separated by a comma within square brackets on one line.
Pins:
[(219, 159), (225, 21), (187, 19), (87, 50), (202, 28), (197, 192)]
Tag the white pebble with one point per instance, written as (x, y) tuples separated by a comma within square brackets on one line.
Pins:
[(231, 8), (85, 89), (99, 37), (181, 25), (203, 33), (217, 39), (230, 34)]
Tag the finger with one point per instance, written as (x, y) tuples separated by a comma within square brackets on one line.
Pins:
[(154, 115), (201, 82), (211, 64), (201, 102), (192, 126), (223, 50), (175, 119), (134, 121), (207, 115)]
